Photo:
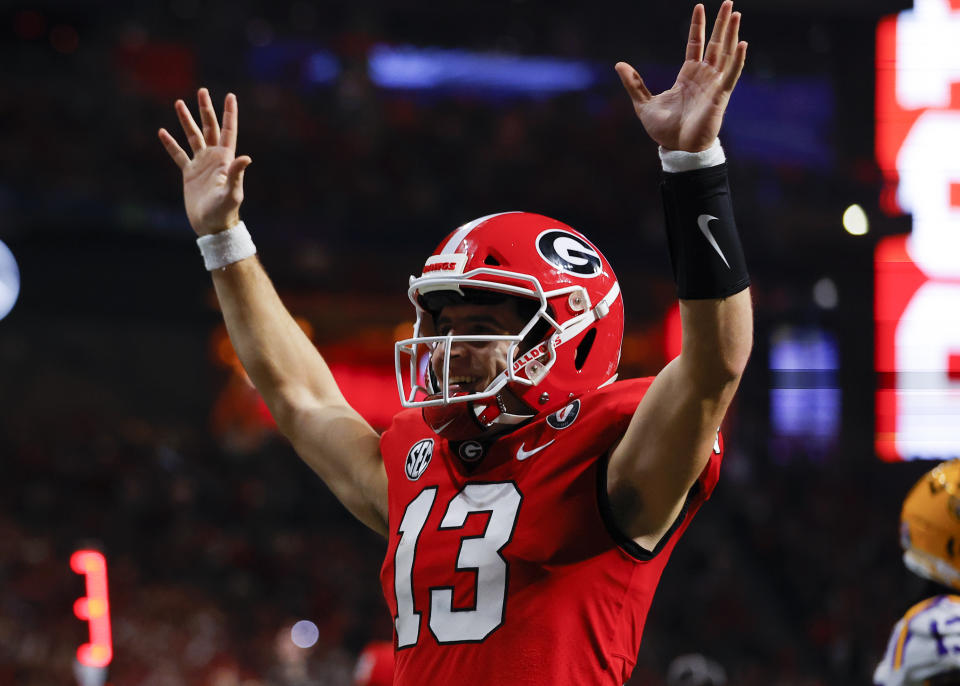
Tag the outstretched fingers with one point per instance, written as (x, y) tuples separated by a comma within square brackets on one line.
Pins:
[(731, 38), (235, 172), (735, 67), (211, 135), (228, 137), (194, 137), (208, 117), (632, 81), (715, 46), (173, 148), (698, 30)]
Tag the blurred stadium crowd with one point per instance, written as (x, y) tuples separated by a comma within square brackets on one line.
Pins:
[(789, 576), (216, 546)]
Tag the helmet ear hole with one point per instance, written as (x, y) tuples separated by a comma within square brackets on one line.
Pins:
[(492, 261), (583, 349)]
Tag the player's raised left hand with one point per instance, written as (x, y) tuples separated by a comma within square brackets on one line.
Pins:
[(213, 178), (688, 116)]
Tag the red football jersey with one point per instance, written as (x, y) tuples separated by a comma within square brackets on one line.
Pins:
[(503, 565)]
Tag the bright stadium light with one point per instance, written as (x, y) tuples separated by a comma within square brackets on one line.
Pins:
[(93, 608), (9, 280), (304, 634), (825, 293), (855, 221)]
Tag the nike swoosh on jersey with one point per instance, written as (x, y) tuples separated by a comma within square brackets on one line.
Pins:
[(703, 221), (445, 425), (524, 454)]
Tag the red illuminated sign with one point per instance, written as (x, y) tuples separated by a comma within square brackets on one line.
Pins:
[(94, 608), (917, 306)]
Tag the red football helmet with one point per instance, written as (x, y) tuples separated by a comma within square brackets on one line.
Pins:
[(575, 330)]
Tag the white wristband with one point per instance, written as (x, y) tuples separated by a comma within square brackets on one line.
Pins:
[(226, 247), (675, 161)]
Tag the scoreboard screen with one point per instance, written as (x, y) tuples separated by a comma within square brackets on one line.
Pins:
[(917, 276)]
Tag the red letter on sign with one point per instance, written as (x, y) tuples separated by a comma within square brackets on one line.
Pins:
[(94, 608)]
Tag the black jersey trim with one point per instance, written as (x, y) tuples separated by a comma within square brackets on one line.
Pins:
[(627, 544)]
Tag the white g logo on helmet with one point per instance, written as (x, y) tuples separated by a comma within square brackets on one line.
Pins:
[(569, 253)]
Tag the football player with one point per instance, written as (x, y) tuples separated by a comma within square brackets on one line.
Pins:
[(924, 648), (530, 501)]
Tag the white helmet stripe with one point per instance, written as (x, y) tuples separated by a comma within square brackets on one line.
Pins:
[(611, 295), (457, 238)]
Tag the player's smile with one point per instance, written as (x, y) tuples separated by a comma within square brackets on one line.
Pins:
[(473, 366), (464, 384)]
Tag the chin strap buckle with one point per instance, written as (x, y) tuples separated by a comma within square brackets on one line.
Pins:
[(494, 413), (488, 414)]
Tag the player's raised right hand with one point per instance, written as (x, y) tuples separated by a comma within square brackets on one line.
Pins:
[(688, 116), (213, 178)]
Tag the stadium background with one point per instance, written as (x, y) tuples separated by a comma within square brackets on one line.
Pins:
[(125, 425)]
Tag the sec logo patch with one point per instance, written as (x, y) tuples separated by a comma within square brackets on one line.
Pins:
[(418, 458), (565, 416)]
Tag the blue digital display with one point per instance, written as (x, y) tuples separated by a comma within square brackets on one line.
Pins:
[(414, 68), (805, 397), (298, 62)]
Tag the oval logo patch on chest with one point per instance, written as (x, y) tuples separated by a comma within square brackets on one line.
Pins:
[(470, 451), (565, 416), (418, 458)]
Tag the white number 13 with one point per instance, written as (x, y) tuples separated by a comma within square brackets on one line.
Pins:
[(479, 554)]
